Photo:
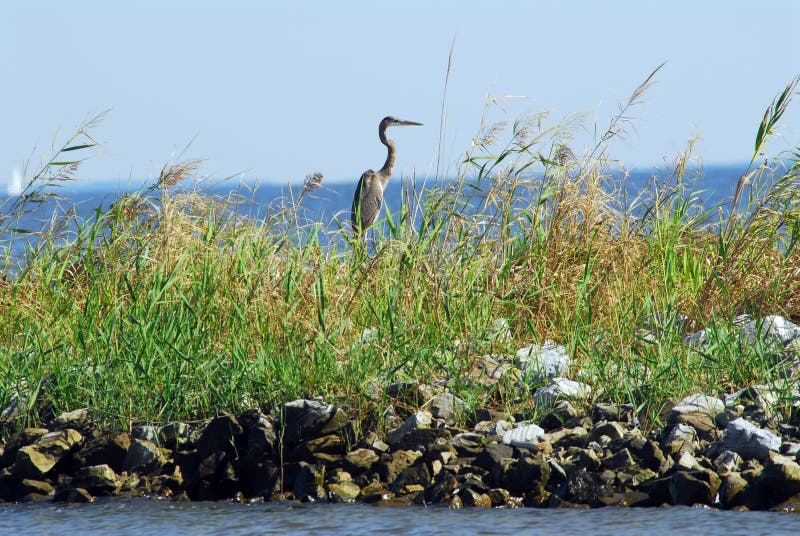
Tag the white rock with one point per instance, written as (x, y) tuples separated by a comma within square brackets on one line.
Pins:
[(542, 362), (699, 403), (500, 331), (770, 327), (682, 432), (524, 435), (750, 441), (559, 389), (369, 335), (698, 338)]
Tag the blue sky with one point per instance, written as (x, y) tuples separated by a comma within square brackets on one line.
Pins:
[(275, 90)]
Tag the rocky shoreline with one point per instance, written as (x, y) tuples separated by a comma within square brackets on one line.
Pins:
[(732, 452)]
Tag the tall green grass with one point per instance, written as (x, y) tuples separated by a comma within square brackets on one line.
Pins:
[(173, 306)]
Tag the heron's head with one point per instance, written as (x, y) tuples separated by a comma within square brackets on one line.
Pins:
[(390, 121)]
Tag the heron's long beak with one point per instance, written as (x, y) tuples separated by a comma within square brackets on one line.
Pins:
[(400, 123)]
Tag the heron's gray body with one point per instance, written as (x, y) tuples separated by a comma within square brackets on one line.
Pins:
[(368, 197)]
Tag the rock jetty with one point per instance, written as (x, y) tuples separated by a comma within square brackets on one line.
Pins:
[(730, 451)]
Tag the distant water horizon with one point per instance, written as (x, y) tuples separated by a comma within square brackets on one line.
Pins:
[(130, 184)]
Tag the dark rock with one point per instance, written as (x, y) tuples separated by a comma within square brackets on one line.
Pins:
[(167, 485), (619, 460), (104, 450), (529, 473), (221, 434), (704, 424), (39, 487), (33, 461), (611, 429), (442, 488), (688, 488), (361, 460), (217, 477), (625, 498), (97, 479), (679, 438), (587, 459), (312, 449), (569, 437), (78, 419), (612, 412), (471, 497), (417, 474), (262, 479), (558, 416), (411, 392), (649, 454), (467, 444), (79, 495), (779, 480), (723, 418), (308, 484), (418, 420), (144, 457), (308, 419), (472, 480), (658, 489), (581, 487), (262, 439), (731, 490), (395, 464), (489, 457), (489, 414), (374, 492), (211, 465), (25, 437), (423, 439), (174, 435)]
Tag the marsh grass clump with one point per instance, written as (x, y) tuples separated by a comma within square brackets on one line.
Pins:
[(173, 305)]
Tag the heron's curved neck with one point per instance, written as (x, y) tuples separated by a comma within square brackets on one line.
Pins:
[(386, 171)]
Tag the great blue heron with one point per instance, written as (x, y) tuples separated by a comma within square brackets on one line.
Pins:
[(369, 193)]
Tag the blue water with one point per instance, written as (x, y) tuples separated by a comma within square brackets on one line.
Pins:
[(328, 206), (147, 516)]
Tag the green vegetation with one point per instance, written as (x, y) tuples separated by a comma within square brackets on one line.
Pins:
[(171, 306)]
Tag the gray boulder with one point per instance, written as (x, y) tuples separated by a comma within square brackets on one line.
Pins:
[(749, 441), (446, 406), (697, 403)]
